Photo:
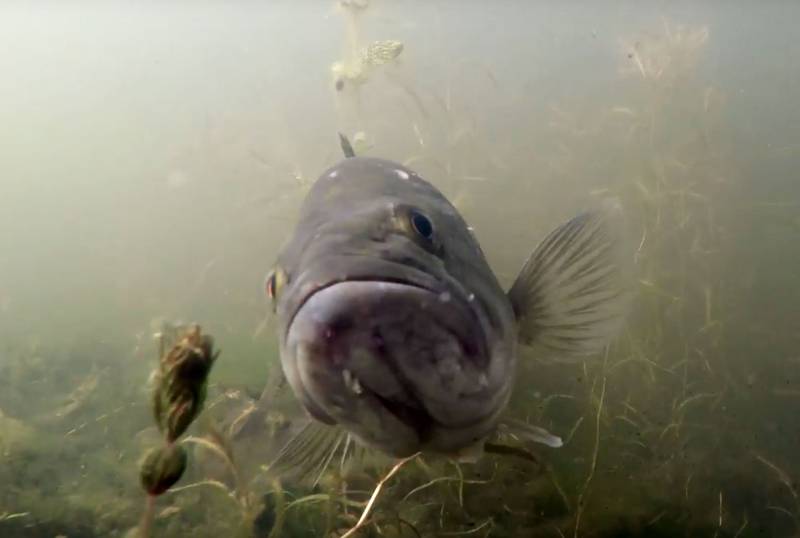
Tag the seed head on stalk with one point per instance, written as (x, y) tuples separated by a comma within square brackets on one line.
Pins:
[(181, 380), (178, 394)]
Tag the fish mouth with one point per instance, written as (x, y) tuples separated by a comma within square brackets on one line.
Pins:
[(378, 280), (391, 360)]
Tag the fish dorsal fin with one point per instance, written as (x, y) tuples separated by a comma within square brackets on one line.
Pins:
[(347, 147), (573, 292)]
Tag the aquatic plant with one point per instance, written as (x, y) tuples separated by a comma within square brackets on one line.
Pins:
[(654, 407), (663, 56), (179, 391)]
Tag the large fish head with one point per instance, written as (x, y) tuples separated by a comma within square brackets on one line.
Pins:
[(391, 323)]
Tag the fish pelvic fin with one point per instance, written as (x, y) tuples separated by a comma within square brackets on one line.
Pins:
[(573, 292), (347, 147), (522, 431)]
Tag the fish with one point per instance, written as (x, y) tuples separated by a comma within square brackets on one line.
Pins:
[(396, 336)]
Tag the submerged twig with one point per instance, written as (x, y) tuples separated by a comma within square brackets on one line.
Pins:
[(373, 498)]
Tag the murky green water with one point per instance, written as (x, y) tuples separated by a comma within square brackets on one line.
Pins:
[(153, 158)]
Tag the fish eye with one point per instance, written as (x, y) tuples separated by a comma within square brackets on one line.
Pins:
[(421, 224), (270, 284), (274, 283)]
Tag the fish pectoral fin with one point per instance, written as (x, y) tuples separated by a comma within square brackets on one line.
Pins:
[(573, 292), (501, 449), (313, 446), (307, 455), (313, 449), (521, 430)]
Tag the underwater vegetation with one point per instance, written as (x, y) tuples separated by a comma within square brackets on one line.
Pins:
[(665, 433), (179, 392)]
